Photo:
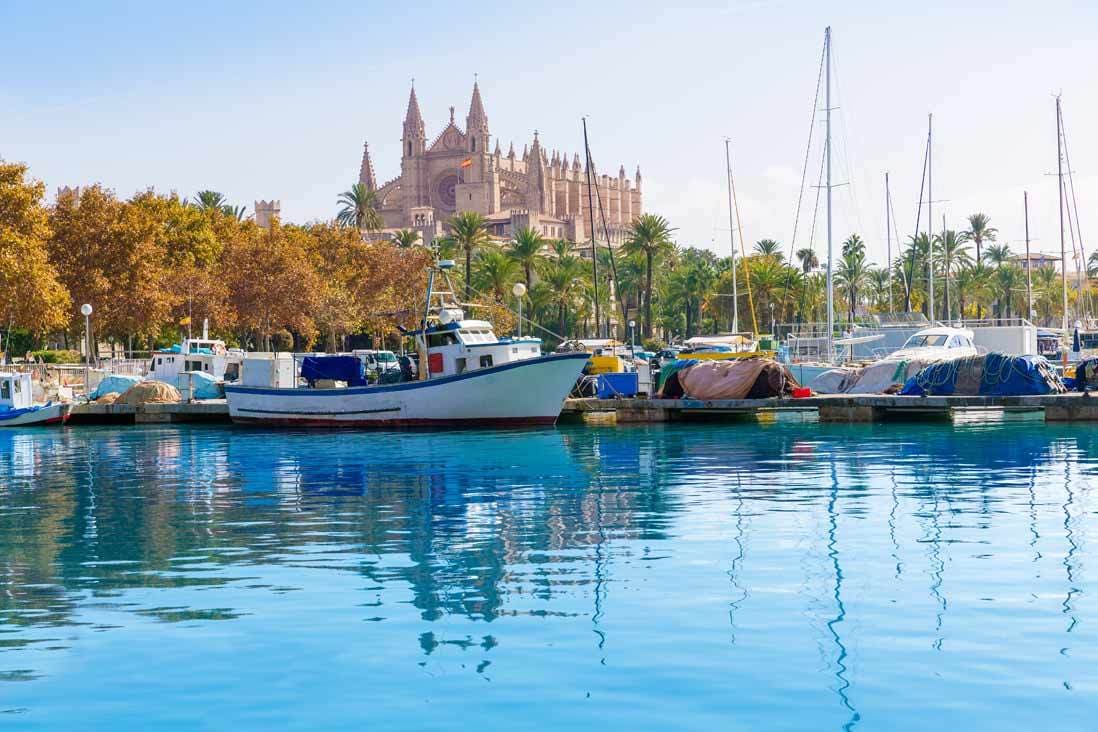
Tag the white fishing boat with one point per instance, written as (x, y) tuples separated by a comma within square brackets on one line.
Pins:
[(17, 408), (467, 377)]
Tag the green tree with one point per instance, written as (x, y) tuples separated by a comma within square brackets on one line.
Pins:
[(768, 248), (526, 249), (495, 273), (649, 235), (406, 238), (952, 255), (469, 234), (564, 280), (358, 209), (979, 231), (210, 201), (808, 259)]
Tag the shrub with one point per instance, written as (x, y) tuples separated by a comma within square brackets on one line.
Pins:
[(58, 356)]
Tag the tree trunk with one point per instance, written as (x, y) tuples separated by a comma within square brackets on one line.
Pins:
[(468, 274), (560, 320), (648, 296)]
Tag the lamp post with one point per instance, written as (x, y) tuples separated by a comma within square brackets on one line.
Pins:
[(519, 289), (86, 311), (632, 338)]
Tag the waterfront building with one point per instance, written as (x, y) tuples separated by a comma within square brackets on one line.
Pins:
[(464, 169)]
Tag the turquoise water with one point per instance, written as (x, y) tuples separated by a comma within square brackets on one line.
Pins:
[(786, 577)]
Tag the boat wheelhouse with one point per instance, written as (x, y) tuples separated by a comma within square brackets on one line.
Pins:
[(205, 355), (17, 407)]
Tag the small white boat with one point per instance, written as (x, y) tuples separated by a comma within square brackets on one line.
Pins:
[(467, 377), (17, 408)]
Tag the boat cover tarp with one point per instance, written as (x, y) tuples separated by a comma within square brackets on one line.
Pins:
[(994, 374), (667, 383), (876, 378), (203, 385), (1086, 376), (336, 368), (114, 384), (150, 392), (752, 378)]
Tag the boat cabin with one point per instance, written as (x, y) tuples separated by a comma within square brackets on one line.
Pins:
[(15, 392), (456, 346), (195, 354), (937, 342)]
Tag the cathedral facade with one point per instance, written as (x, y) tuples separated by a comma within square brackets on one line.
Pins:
[(458, 170)]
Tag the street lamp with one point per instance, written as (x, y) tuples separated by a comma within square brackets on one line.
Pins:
[(86, 311), (519, 290), (632, 339)]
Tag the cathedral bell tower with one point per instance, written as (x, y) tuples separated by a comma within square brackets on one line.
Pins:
[(480, 187), (414, 145)]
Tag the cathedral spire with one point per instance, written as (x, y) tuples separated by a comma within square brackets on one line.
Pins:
[(366, 172), (511, 152), (413, 119), (476, 108), (638, 177), (497, 152)]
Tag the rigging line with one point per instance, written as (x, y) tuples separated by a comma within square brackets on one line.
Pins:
[(743, 249), (845, 158), (606, 231), (807, 154), (812, 231), (896, 234), (507, 307), (918, 218), (1075, 205)]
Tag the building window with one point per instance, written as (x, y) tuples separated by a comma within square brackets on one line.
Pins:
[(409, 149), (474, 144)]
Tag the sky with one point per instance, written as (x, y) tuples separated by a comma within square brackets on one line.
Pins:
[(274, 100)]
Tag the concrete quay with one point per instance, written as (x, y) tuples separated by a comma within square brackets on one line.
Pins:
[(211, 410), (846, 408)]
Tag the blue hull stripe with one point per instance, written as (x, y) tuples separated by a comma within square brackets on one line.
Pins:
[(236, 389), (323, 414)]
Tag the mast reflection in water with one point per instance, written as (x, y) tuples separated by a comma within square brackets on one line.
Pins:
[(688, 577)]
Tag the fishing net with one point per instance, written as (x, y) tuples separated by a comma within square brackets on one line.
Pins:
[(150, 392), (995, 374)]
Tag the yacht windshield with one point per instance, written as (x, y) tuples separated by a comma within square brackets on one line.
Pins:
[(924, 341)]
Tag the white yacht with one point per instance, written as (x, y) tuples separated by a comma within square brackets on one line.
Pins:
[(938, 343)]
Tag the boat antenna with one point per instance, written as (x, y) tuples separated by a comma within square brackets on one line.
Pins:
[(594, 253), (732, 240), (827, 150)]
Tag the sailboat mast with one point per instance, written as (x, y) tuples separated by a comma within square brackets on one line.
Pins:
[(732, 240), (827, 149), (594, 252), (888, 236), (1060, 191), (930, 213), (1029, 262)]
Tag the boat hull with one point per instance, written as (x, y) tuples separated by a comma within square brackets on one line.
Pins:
[(522, 393), (35, 416)]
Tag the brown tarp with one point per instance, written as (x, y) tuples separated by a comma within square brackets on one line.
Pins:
[(754, 378), (150, 392)]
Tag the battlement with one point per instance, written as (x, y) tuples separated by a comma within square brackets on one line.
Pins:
[(267, 212)]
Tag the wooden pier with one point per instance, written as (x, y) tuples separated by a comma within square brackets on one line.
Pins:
[(832, 408)]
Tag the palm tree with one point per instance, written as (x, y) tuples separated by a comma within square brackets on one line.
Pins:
[(359, 209), (236, 212), (979, 231), (495, 273), (209, 201), (998, 254), (853, 272), (564, 278), (853, 243), (469, 234), (561, 248), (808, 259), (1010, 281), (879, 281), (650, 235), (526, 249), (406, 238), (769, 248), (952, 256), (1092, 265)]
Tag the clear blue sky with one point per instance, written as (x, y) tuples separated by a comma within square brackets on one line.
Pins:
[(274, 100)]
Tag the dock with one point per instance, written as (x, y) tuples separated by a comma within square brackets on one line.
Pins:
[(211, 410), (840, 408)]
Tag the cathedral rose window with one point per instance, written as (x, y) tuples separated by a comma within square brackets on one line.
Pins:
[(446, 190)]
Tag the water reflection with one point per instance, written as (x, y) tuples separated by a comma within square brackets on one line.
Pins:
[(656, 545)]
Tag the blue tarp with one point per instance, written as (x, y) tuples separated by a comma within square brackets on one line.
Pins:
[(336, 368), (1086, 376), (995, 374), (204, 385), (114, 384)]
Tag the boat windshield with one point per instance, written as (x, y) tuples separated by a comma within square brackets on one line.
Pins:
[(386, 357), (924, 341)]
